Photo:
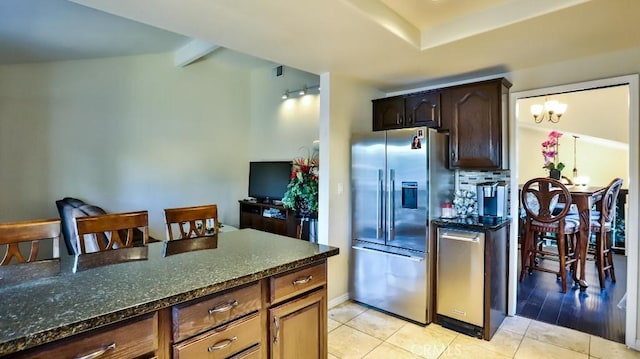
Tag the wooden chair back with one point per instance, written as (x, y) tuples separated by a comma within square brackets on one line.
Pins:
[(545, 200), (12, 234), (608, 204), (112, 231), (17, 266), (192, 221)]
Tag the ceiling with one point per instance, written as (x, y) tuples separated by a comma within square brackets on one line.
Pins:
[(57, 30), (391, 44)]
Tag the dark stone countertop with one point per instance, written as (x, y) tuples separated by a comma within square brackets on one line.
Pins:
[(48, 309), (473, 223)]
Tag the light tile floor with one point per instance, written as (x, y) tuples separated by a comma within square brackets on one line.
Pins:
[(356, 331)]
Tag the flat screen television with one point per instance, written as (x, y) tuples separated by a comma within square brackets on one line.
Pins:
[(268, 180)]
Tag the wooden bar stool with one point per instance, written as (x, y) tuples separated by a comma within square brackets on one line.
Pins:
[(113, 235), (17, 266), (197, 221), (603, 226), (541, 198)]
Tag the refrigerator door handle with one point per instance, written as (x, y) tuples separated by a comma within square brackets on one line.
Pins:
[(380, 199), (391, 204), (411, 258)]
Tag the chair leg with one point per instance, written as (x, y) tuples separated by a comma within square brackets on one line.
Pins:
[(612, 271), (562, 256), (600, 257), (573, 240)]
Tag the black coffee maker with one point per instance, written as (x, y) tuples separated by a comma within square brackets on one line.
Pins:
[(492, 201)]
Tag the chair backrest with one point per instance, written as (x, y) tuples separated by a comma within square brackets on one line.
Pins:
[(197, 221), (545, 199), (112, 231), (18, 267), (608, 208), (14, 233)]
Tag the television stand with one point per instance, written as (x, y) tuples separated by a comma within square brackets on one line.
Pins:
[(269, 218)]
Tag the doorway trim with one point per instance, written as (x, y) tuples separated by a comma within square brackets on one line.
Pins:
[(631, 318)]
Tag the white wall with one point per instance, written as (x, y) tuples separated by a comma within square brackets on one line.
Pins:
[(133, 133), (599, 160), (345, 108), (279, 128), (127, 133)]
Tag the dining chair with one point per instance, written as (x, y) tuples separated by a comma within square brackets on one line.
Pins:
[(16, 265), (197, 221), (602, 225), (113, 235), (540, 198)]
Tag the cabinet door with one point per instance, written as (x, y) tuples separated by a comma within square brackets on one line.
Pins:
[(423, 109), (388, 113), (298, 328), (476, 126)]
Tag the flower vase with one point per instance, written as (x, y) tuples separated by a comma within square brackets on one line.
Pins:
[(555, 174)]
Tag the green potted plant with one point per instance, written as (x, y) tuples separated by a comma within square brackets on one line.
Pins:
[(302, 190)]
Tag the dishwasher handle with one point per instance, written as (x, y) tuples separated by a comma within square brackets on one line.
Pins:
[(471, 237)]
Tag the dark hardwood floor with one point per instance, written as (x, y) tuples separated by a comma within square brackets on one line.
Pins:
[(593, 311)]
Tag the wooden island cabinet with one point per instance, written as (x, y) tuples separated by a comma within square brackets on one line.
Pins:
[(277, 312)]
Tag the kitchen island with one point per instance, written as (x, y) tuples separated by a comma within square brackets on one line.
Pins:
[(249, 277)]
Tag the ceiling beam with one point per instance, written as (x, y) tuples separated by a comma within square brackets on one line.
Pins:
[(193, 51)]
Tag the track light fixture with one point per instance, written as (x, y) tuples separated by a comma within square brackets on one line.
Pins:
[(304, 90)]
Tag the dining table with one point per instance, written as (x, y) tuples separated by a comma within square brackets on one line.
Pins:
[(584, 198)]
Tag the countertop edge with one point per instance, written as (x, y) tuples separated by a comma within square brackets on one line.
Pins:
[(65, 331), (472, 225)]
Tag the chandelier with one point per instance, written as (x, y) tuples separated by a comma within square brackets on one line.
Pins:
[(552, 110)]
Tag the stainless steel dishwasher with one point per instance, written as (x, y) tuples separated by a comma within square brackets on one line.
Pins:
[(460, 280)]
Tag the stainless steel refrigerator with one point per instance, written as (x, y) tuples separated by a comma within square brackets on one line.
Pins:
[(399, 181)]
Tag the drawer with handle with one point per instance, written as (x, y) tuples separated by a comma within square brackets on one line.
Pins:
[(195, 317), (132, 339), (222, 342), (290, 284)]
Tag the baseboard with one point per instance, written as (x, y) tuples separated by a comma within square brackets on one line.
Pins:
[(338, 300)]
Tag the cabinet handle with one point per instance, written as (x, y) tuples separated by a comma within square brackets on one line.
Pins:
[(303, 280), (453, 155), (222, 344), (224, 307), (98, 353), (433, 113), (276, 324)]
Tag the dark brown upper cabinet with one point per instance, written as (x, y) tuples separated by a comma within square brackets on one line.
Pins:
[(413, 110), (423, 109), (476, 116), (388, 113)]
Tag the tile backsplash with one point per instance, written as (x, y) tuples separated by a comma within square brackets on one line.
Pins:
[(467, 180)]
